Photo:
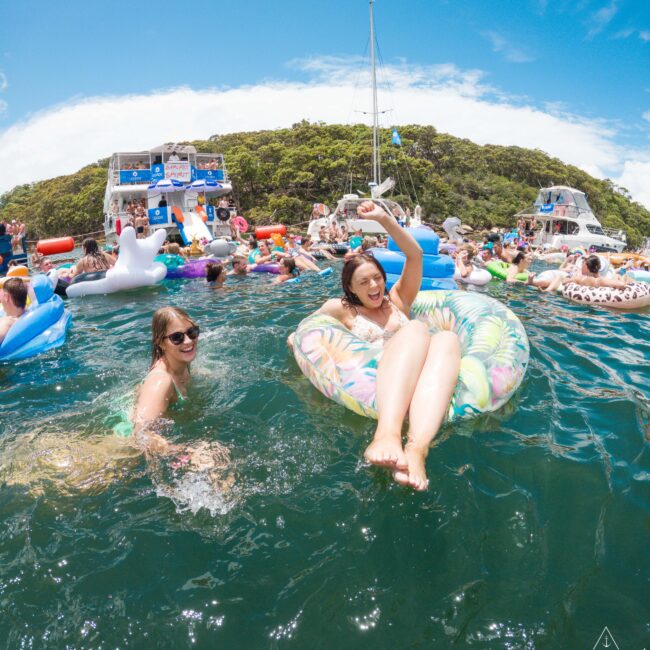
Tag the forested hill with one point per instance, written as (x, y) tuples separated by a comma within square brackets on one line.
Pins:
[(279, 174)]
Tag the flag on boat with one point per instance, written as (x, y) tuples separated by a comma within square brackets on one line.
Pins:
[(397, 138)]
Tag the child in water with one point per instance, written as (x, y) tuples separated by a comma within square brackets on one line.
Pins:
[(288, 270)]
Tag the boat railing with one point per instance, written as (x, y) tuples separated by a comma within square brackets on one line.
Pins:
[(559, 210), (614, 233)]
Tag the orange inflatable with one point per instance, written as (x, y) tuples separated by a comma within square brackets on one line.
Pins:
[(201, 212), (264, 232), (178, 213), (620, 258), (54, 246)]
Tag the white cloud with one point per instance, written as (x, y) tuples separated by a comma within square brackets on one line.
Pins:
[(503, 45), (602, 18), (64, 138), (636, 178), (644, 35)]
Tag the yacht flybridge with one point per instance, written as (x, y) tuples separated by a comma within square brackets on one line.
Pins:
[(171, 181), (566, 218)]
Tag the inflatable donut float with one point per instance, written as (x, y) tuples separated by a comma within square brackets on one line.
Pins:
[(632, 296), (494, 353)]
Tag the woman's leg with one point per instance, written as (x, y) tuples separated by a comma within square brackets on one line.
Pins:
[(429, 405), (305, 265), (397, 375)]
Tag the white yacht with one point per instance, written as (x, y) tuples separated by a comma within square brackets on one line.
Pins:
[(566, 218), (133, 175)]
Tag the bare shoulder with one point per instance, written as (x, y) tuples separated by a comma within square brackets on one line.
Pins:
[(157, 381), (336, 308)]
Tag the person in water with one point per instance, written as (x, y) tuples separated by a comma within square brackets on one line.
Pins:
[(589, 276), (215, 273), (520, 263), (93, 259), (13, 300), (417, 372), (174, 345), (239, 266), (288, 270)]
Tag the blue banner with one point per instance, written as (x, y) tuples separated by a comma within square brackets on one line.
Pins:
[(397, 139), (209, 209), (157, 172), (209, 174), (135, 176), (158, 216), (549, 207)]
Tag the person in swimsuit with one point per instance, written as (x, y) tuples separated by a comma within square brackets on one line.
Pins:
[(288, 270), (174, 344), (215, 273), (93, 259), (589, 276), (417, 372), (520, 263)]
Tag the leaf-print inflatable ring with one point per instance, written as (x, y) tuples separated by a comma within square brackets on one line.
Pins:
[(494, 353)]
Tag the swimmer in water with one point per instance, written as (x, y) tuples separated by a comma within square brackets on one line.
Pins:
[(520, 263), (215, 273), (174, 344), (288, 270), (417, 372)]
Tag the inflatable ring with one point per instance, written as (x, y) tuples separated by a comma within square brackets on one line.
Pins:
[(240, 223), (477, 277), (632, 296), (269, 267), (499, 269), (494, 353)]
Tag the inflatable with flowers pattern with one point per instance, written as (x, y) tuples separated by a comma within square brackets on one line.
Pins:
[(494, 353)]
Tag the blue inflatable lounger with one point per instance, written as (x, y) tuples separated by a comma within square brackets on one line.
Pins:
[(437, 270)]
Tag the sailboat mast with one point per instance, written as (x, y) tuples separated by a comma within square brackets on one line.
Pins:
[(376, 161)]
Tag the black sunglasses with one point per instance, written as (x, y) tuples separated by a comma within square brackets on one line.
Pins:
[(176, 338)]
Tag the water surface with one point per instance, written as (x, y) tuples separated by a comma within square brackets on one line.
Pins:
[(533, 534)]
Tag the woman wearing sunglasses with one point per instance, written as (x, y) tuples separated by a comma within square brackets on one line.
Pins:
[(174, 343)]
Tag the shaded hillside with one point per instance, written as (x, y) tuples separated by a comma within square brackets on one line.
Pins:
[(281, 173)]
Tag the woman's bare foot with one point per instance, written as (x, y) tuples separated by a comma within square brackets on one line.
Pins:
[(416, 474), (386, 451)]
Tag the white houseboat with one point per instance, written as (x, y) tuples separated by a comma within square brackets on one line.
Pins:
[(564, 217), (142, 176)]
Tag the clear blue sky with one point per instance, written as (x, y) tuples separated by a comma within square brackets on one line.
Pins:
[(592, 54)]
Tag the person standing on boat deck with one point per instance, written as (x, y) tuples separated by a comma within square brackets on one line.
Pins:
[(173, 157), (417, 372)]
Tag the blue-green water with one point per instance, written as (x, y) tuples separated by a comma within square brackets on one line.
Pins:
[(533, 534)]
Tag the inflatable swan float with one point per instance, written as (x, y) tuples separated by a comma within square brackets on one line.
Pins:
[(134, 267)]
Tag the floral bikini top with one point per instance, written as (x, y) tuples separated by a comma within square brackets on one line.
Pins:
[(370, 331)]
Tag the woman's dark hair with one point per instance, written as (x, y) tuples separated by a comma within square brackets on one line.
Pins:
[(518, 257), (213, 271), (90, 247), (350, 266), (290, 265), (593, 263), (3, 229), (252, 241)]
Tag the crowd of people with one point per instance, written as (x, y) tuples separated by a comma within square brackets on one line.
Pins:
[(416, 372)]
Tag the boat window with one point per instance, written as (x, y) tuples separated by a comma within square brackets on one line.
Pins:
[(547, 228), (581, 202), (595, 230), (563, 227)]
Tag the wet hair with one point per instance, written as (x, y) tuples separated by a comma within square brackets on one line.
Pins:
[(593, 263), (213, 271), (290, 265), (252, 241), (350, 266), (174, 249), (90, 247), (3, 229), (159, 323), (518, 257), (17, 290)]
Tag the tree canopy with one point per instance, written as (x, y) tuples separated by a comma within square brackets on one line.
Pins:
[(278, 175)]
